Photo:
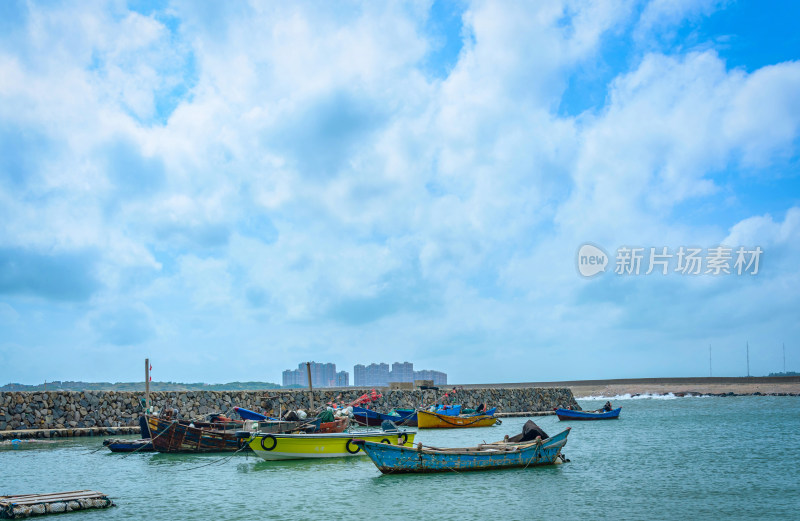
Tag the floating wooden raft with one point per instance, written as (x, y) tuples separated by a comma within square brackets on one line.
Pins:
[(18, 507)]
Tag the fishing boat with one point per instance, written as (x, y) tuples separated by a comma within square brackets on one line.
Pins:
[(487, 412), (405, 417), (432, 420), (569, 414), (337, 445), (392, 459), (172, 435), (247, 414), (123, 445)]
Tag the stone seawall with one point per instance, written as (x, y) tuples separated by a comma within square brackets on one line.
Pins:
[(100, 410)]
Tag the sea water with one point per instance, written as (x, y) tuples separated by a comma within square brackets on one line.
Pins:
[(681, 458)]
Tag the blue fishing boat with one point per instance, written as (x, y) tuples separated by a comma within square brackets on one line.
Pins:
[(393, 459), (247, 414), (405, 417), (569, 414), (487, 412)]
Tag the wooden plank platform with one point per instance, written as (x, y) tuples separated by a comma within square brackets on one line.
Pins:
[(26, 505)]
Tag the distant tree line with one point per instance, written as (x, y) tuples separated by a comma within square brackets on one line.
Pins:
[(139, 386), (785, 373)]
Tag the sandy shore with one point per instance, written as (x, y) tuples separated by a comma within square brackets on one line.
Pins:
[(749, 385), (583, 391)]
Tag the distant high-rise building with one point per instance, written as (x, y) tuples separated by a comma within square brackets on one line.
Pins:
[(373, 375), (402, 372), (322, 375), (291, 377), (438, 377), (379, 375), (342, 379)]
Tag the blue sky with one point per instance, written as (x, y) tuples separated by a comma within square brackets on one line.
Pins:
[(233, 189)]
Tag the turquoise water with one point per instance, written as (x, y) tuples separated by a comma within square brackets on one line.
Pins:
[(682, 458)]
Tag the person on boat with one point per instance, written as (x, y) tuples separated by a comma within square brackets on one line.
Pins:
[(607, 407)]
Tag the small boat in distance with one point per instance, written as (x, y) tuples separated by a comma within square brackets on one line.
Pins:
[(569, 414), (432, 420), (393, 459)]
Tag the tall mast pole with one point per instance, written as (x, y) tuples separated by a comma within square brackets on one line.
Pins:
[(748, 358), (310, 389), (146, 385), (784, 358), (709, 360)]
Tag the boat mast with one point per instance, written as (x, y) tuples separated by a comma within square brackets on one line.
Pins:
[(310, 389), (147, 385), (784, 358)]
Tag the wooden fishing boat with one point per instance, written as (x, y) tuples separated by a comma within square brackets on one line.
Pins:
[(406, 418), (172, 435), (338, 445), (432, 420), (392, 459), (569, 414)]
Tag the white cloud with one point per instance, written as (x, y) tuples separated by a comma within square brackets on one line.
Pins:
[(308, 183)]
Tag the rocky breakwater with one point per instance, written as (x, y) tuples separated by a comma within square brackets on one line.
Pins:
[(66, 409), (67, 413)]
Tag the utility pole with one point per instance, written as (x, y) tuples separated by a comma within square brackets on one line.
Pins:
[(748, 358), (709, 359), (784, 358)]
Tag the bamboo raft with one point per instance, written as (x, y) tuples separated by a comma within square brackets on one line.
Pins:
[(18, 507)]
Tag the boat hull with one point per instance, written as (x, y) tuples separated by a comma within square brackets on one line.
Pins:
[(432, 420), (169, 435), (393, 459), (372, 418), (569, 415), (119, 445), (273, 447)]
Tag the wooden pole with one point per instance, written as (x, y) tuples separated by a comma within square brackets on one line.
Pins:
[(147, 385), (310, 388)]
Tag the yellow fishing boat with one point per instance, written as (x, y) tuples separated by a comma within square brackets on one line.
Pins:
[(334, 445), (432, 420)]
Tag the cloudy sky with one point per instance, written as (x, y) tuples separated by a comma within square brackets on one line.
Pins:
[(232, 188)]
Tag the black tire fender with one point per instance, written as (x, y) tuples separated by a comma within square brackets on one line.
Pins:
[(386, 440), (402, 439), (351, 444), (270, 437)]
